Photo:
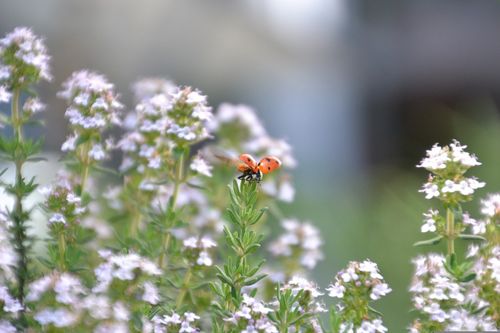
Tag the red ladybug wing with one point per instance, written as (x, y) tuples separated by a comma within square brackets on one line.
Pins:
[(268, 164), (243, 167), (249, 160)]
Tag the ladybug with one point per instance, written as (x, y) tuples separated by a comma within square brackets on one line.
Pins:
[(253, 171)]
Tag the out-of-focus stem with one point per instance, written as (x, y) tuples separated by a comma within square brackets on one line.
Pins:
[(136, 219), (450, 231), (184, 288), (85, 160), (171, 207), (62, 251), (18, 216)]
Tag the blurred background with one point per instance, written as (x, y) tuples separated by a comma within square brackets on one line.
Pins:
[(359, 88)]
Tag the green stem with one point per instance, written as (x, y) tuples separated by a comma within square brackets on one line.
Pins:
[(284, 323), (450, 231), (171, 207), (136, 219), (85, 160), (184, 288), (19, 215), (62, 251)]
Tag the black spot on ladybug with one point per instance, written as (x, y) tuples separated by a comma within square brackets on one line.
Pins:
[(268, 159), (269, 168)]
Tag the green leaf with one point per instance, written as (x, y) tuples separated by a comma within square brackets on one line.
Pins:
[(375, 311), (36, 159), (452, 261), (471, 237), (105, 170), (254, 280), (432, 241), (468, 277)]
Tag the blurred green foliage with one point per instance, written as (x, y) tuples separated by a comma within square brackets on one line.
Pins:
[(378, 215)]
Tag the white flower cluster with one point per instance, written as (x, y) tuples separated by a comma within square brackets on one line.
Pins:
[(200, 165), (198, 250), (448, 164), (92, 107), (125, 267), (185, 323), (23, 60), (65, 206), (464, 187), (487, 268), (300, 239), (359, 283), (145, 145), (8, 256), (437, 295), (163, 121), (282, 190), (7, 327), (362, 276), (190, 116), (477, 227), (367, 326), (73, 303), (32, 106), (148, 87), (10, 304), (430, 219), (452, 156), (310, 292), (66, 290), (252, 317), (9, 308), (490, 207)]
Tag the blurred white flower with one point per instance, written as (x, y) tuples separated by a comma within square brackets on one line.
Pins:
[(199, 165), (5, 95), (29, 53)]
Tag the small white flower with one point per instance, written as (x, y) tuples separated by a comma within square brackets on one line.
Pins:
[(202, 112), (5, 95), (151, 294), (436, 159), (491, 206), (121, 312), (97, 152), (100, 103), (380, 290), (336, 290), (450, 187), (204, 259), (57, 317), (459, 155), (70, 143), (57, 218), (7, 327), (194, 97), (201, 166), (31, 51), (472, 250), (431, 190), (370, 267), (33, 105), (429, 226)]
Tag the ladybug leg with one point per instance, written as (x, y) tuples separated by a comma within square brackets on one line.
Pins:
[(240, 177)]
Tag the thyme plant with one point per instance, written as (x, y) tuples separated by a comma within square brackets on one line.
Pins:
[(163, 244)]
